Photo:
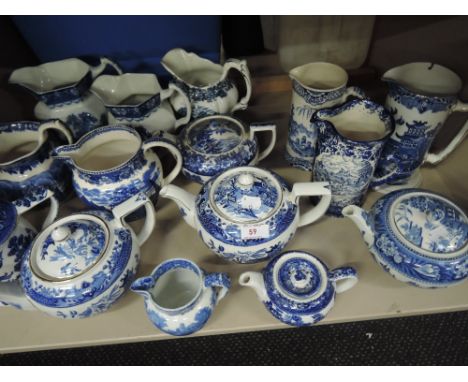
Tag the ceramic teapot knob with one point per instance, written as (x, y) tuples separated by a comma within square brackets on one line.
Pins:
[(245, 180), (60, 234)]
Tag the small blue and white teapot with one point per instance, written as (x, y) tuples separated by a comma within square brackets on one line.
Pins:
[(297, 288), (180, 297)]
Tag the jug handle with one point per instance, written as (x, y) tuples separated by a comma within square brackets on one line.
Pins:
[(220, 280), (355, 92), (168, 141), (344, 278), (97, 70), (384, 179), (311, 189), (258, 127), (135, 202), (168, 93), (240, 66), (434, 158), (39, 195), (54, 125)]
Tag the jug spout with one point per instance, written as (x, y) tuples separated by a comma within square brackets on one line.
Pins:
[(142, 286), (363, 221), (255, 281), (66, 153), (11, 294), (185, 200)]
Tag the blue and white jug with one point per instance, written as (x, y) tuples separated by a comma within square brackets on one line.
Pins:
[(206, 83), (421, 97), (62, 89), (350, 140), (315, 86), (180, 296)]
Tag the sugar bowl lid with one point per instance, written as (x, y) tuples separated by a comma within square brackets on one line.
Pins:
[(246, 194), (299, 276), (69, 247), (429, 223), (214, 135), (8, 217)]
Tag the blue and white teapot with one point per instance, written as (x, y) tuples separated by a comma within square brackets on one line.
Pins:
[(419, 237), (248, 214), (81, 264), (297, 288)]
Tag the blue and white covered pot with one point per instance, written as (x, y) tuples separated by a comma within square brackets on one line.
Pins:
[(25, 159), (316, 85), (16, 233), (137, 99), (81, 264), (213, 144), (206, 83), (180, 296), (421, 97), (111, 164), (418, 236), (297, 288), (248, 214), (62, 89)]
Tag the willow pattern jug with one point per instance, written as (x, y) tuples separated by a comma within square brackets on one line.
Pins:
[(315, 86), (137, 99), (421, 97), (62, 89), (207, 84)]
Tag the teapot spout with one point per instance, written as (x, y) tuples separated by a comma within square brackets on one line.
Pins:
[(142, 286), (255, 281), (185, 200), (363, 221), (11, 294)]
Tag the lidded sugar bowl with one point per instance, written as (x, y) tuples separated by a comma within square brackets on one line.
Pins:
[(81, 264), (248, 214), (297, 288), (213, 144), (418, 236)]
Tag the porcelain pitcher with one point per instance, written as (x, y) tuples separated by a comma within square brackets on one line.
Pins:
[(315, 86), (349, 143), (25, 158), (16, 233), (137, 99), (62, 89), (207, 84), (421, 96), (180, 296), (112, 163)]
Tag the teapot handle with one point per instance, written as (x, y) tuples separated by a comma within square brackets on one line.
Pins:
[(169, 93), (311, 189), (168, 141), (135, 202), (434, 158), (36, 197), (258, 127), (240, 66), (220, 280), (344, 278)]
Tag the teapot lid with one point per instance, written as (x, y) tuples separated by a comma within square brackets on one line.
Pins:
[(214, 135), (8, 217), (299, 276), (246, 194), (69, 247), (429, 222)]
